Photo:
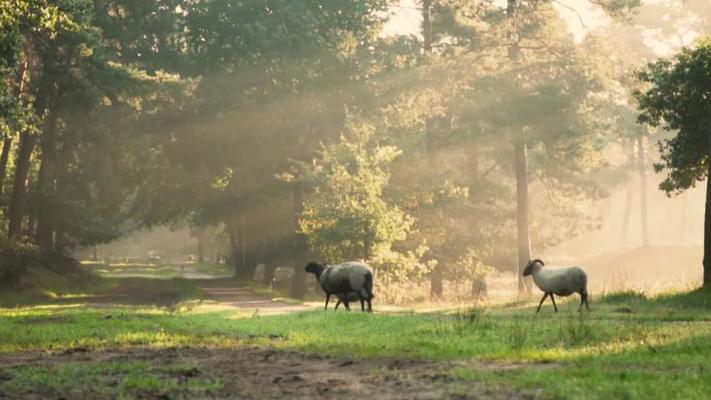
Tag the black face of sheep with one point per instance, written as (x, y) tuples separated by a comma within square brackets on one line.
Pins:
[(529, 267), (344, 280), (315, 268)]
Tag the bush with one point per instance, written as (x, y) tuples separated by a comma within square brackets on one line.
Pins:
[(15, 256)]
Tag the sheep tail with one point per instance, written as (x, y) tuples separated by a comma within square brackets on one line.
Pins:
[(368, 286)]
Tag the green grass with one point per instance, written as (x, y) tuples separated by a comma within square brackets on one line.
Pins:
[(629, 346), (41, 285), (114, 379)]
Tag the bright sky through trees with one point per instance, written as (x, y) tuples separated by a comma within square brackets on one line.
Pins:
[(582, 17)]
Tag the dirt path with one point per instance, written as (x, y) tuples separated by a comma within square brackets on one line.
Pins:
[(236, 294), (254, 373), (189, 272)]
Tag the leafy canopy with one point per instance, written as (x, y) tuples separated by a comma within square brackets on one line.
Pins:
[(679, 100)]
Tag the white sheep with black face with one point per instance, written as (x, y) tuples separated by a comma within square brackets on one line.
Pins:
[(343, 280), (558, 281)]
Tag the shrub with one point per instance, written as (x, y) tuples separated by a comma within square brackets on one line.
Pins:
[(15, 256)]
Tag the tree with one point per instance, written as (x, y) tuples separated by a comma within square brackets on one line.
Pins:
[(677, 99), (348, 216)]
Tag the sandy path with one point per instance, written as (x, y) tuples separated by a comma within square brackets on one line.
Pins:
[(232, 293)]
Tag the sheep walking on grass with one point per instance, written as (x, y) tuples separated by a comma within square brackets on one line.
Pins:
[(558, 281), (343, 280), (351, 297)]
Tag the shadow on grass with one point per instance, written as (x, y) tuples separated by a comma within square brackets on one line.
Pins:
[(100, 292)]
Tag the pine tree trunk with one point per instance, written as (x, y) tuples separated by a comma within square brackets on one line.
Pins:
[(627, 213), (16, 212), (201, 245), (235, 255), (427, 25), (478, 285), (244, 268), (6, 146), (682, 217), (521, 162), (45, 186), (524, 238), (298, 284), (707, 225), (643, 191), (436, 277), (7, 142)]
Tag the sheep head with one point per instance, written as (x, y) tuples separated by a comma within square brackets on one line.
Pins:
[(529, 267), (315, 268)]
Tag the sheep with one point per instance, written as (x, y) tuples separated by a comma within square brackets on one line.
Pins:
[(559, 281), (352, 296), (344, 279)]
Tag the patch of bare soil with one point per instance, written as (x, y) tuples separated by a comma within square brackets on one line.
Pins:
[(256, 373), (237, 294)]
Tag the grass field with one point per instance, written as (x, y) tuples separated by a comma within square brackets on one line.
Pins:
[(140, 342)]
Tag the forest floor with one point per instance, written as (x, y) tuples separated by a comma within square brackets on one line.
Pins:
[(168, 338)]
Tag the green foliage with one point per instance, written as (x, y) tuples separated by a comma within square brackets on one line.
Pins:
[(677, 100), (348, 216)]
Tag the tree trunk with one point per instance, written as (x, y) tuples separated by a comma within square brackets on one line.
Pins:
[(436, 277), (242, 252), (45, 186), (298, 284), (627, 213), (269, 269), (524, 238), (682, 217), (235, 257), (17, 202), (707, 224), (6, 146), (201, 244), (7, 142), (643, 190), (427, 25), (521, 162), (478, 285)]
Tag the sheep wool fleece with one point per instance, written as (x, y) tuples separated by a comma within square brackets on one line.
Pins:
[(346, 277), (560, 281)]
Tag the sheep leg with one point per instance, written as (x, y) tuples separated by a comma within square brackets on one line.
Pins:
[(554, 305), (362, 301), (338, 303), (584, 300), (345, 301), (541, 303), (328, 297)]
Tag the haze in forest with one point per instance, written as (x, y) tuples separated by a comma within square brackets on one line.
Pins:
[(447, 143)]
